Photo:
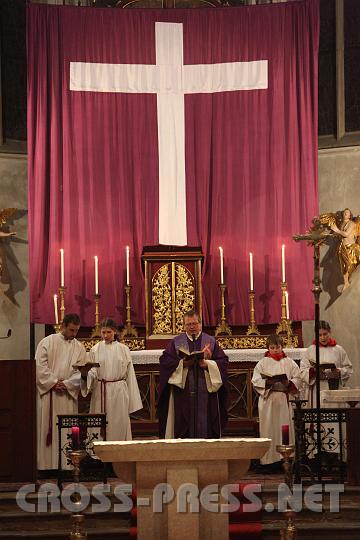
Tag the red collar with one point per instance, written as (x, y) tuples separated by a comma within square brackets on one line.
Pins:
[(330, 343), (276, 356)]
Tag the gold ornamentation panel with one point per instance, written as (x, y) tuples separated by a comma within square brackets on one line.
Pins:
[(161, 301), (254, 342), (184, 295)]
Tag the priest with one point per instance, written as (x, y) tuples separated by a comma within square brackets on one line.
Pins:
[(58, 385), (193, 388)]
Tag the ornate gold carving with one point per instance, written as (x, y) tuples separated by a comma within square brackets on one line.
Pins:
[(254, 342), (161, 299), (134, 344), (184, 295)]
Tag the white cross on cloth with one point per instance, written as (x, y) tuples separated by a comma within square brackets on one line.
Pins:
[(170, 79)]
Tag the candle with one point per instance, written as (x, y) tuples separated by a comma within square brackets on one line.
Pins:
[(285, 434), (56, 309), (283, 263), (127, 265), (287, 304), (62, 272), (221, 265), (75, 438), (96, 274), (251, 273)]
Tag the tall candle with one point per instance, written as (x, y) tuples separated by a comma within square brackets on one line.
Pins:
[(96, 260), (56, 309), (221, 265), (127, 265), (287, 304), (285, 434), (283, 263), (75, 438), (62, 270), (251, 272)]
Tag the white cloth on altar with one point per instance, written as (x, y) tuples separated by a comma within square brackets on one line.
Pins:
[(274, 407), (55, 357), (178, 378), (118, 395)]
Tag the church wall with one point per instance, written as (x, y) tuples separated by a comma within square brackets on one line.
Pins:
[(339, 187), (14, 296)]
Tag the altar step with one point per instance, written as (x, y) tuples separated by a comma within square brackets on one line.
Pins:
[(17, 524)]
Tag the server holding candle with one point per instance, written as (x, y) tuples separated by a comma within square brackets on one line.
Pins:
[(275, 378)]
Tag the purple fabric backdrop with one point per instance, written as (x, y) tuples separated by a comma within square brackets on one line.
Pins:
[(251, 157)]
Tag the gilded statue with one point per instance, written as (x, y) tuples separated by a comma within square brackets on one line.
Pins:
[(347, 228)]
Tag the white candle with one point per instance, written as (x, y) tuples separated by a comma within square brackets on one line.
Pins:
[(251, 273), (283, 263), (56, 309), (62, 271), (127, 265), (96, 260), (287, 305), (221, 265)]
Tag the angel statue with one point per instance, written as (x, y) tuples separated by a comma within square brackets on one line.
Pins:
[(347, 228), (5, 215)]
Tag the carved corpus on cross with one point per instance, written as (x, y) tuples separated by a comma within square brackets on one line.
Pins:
[(170, 79)]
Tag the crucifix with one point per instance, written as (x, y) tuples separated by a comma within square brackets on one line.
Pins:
[(170, 79)]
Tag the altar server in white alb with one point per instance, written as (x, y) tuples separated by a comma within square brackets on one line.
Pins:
[(113, 385), (334, 366), (275, 378), (58, 385)]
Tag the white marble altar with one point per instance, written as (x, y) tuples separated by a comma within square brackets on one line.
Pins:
[(177, 462)]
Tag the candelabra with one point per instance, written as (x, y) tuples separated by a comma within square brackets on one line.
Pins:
[(252, 328), (62, 303), (223, 327), (96, 330), (129, 330), (284, 325), (286, 451), (57, 327), (77, 519)]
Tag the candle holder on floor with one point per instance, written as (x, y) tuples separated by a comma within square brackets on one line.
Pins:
[(77, 519), (286, 451)]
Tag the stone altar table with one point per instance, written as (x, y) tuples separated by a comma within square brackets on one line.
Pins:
[(199, 462)]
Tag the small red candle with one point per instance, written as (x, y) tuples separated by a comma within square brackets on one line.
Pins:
[(75, 438), (285, 434)]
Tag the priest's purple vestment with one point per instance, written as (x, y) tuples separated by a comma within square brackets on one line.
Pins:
[(211, 407)]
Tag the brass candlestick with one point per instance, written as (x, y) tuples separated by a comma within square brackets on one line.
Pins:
[(252, 328), (286, 451), (77, 519), (284, 325), (57, 327), (96, 330), (129, 330), (62, 303), (223, 327)]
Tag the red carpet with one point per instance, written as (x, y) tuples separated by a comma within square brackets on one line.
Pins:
[(243, 524)]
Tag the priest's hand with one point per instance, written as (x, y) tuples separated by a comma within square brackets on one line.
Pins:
[(188, 363), (203, 364), (207, 352)]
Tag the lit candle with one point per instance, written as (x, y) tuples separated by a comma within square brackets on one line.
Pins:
[(221, 265), (56, 309), (62, 271), (285, 435), (75, 438), (283, 263), (96, 260), (287, 304), (251, 273), (127, 265)]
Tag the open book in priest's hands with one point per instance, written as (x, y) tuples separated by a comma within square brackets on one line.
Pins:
[(184, 354), (279, 377)]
